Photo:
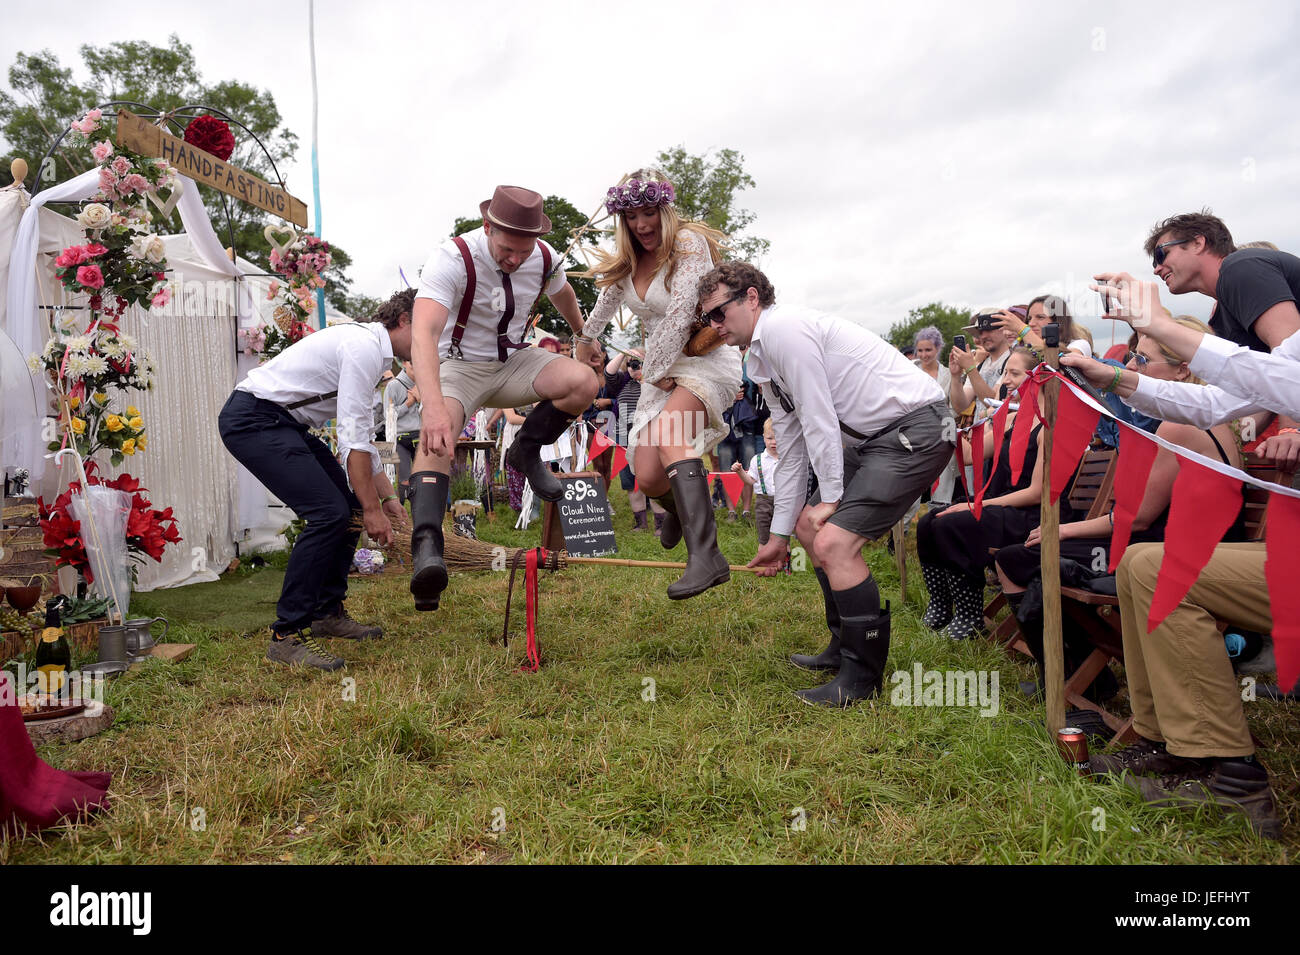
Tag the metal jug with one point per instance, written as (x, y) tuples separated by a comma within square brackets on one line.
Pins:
[(112, 645), (139, 639)]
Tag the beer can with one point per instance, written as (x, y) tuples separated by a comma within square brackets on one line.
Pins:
[(1074, 747)]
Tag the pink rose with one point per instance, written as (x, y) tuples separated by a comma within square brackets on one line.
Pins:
[(72, 255), (93, 249), (107, 184), (121, 165), (102, 150), (161, 298), (89, 276), (135, 183), (273, 289)]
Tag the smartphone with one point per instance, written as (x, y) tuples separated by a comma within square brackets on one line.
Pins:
[(959, 341), (1105, 304), (1052, 335)]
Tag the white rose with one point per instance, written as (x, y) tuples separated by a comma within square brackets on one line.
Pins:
[(148, 247), (95, 216)]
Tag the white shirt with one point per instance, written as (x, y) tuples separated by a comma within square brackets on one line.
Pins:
[(831, 371), (764, 478), (1269, 379), (1241, 382), (443, 280), (347, 358)]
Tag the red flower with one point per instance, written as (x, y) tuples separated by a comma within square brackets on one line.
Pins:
[(211, 135)]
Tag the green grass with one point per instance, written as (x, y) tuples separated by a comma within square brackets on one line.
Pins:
[(445, 734)]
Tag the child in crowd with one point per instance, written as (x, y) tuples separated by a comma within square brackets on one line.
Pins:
[(761, 478)]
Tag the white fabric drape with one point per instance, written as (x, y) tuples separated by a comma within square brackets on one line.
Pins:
[(192, 342)]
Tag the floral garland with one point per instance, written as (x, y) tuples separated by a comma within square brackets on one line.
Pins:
[(301, 263), (148, 531), (636, 193), (121, 263)]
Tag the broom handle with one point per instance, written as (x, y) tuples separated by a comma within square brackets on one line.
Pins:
[(621, 562)]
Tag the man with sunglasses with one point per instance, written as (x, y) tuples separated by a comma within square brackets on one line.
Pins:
[(1255, 291), (876, 430)]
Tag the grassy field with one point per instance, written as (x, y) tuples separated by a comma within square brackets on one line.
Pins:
[(442, 751)]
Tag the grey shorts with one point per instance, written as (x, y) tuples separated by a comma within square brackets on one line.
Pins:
[(494, 384), (884, 474)]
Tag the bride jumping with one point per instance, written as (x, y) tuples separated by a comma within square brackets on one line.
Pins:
[(654, 270)]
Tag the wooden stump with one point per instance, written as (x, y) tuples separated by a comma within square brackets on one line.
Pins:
[(69, 729)]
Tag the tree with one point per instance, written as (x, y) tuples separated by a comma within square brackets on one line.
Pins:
[(565, 220), (706, 190), (949, 319), (46, 98)]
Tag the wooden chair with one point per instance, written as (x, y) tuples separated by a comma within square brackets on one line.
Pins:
[(1091, 494)]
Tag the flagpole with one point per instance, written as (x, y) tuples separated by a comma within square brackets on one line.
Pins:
[(315, 165)]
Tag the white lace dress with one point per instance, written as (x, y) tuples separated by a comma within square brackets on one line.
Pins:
[(667, 313)]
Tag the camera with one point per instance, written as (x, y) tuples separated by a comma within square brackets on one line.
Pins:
[(634, 364)]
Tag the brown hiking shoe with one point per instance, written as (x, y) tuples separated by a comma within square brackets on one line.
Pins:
[(1143, 758), (343, 627), (1233, 785)]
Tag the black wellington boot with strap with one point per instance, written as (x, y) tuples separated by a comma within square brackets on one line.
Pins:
[(543, 426), (705, 565), (428, 497)]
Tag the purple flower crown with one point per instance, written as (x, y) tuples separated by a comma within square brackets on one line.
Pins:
[(636, 193)]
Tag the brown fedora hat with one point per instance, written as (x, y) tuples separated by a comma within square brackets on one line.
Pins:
[(516, 209)]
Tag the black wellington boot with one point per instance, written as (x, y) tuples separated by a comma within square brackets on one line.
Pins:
[(864, 647), (828, 659), (428, 506), (968, 608), (544, 424), (705, 565)]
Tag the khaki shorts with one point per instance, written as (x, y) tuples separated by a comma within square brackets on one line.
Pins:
[(494, 384)]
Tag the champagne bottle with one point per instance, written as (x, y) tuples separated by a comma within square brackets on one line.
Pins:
[(53, 655)]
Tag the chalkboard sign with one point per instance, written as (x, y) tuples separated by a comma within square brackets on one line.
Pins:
[(582, 516)]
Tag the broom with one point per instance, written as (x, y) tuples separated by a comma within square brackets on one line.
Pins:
[(464, 553)]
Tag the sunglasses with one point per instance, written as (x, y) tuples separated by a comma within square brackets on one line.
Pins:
[(1142, 360), (716, 315), (1159, 255)]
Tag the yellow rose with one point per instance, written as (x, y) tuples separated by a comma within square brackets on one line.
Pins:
[(128, 446), (78, 425), (101, 398), (74, 402), (114, 423), (132, 411), (136, 423), (140, 443)]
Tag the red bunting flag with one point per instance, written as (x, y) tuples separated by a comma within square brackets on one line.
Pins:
[(599, 444), (1137, 452), (1024, 427), (1075, 424), (620, 461), (1203, 506), (731, 483), (1280, 571)]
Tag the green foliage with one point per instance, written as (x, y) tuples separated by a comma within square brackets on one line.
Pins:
[(565, 220), (949, 319), (707, 190), (46, 98)]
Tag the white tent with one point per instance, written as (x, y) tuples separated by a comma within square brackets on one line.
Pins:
[(193, 344)]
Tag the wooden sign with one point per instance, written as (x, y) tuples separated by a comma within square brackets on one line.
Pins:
[(581, 516), (147, 139)]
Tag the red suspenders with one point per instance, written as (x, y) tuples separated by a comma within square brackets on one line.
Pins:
[(467, 302)]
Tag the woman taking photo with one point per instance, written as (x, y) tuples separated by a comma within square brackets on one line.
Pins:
[(654, 270)]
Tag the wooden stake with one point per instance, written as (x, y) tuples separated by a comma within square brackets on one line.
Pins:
[(624, 562), (1050, 555), (900, 555)]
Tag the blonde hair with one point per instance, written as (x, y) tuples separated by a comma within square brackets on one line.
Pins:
[(613, 267), (1259, 244), (1187, 321), (769, 428)]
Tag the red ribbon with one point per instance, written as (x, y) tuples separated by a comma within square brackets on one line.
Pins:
[(1283, 595), (1137, 453), (530, 609), (999, 421), (1024, 425)]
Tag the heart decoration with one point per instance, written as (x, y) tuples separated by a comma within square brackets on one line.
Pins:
[(271, 231), (166, 207)]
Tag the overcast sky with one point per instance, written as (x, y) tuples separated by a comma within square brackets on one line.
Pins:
[(903, 153)]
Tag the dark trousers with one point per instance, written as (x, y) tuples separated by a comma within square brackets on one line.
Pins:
[(300, 470)]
